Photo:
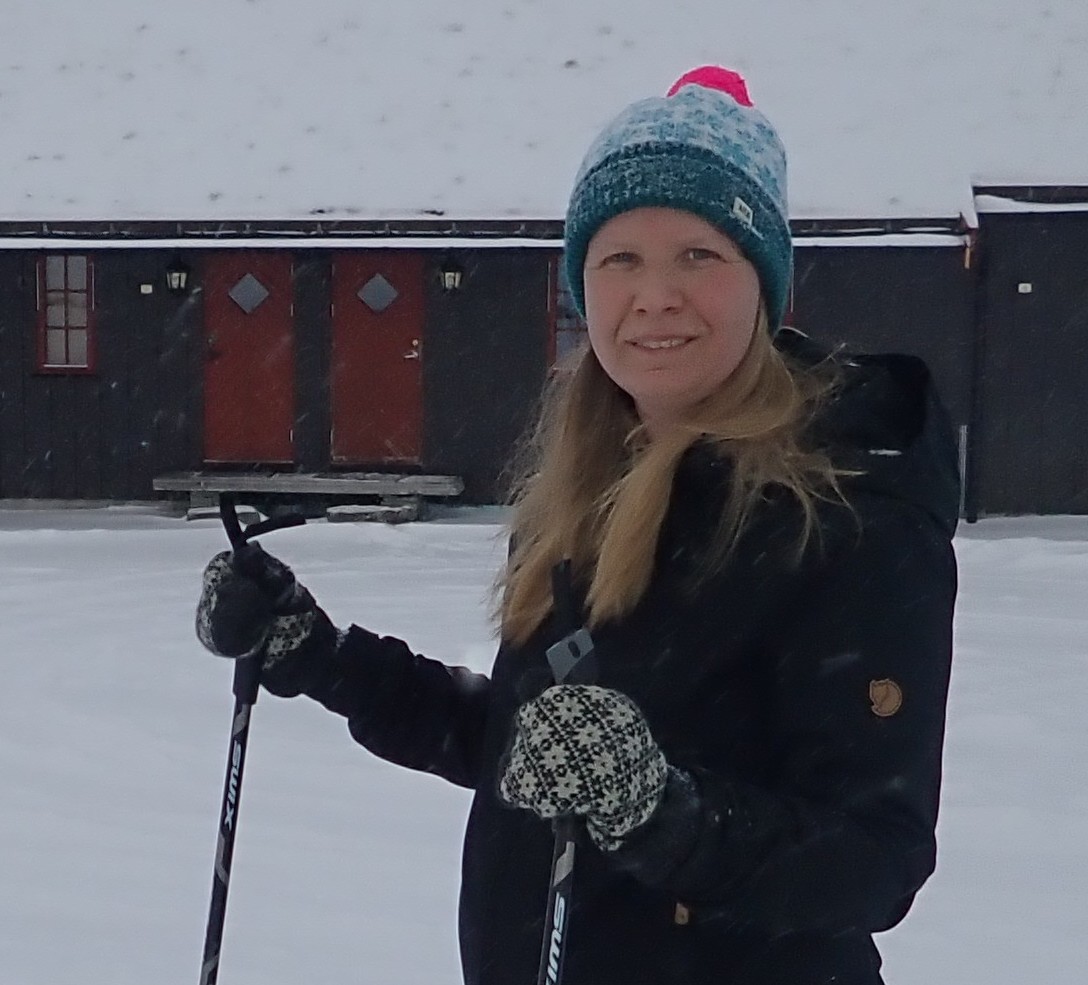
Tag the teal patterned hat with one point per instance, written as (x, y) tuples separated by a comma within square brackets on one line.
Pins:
[(703, 148)]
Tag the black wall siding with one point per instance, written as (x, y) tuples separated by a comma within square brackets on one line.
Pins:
[(1033, 367), (149, 372), (917, 300), (42, 401), (17, 292), (120, 314), (104, 435), (484, 364), (66, 406), (86, 436), (313, 353), (177, 409), (36, 480)]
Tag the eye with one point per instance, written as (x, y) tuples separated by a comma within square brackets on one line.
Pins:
[(623, 258), (699, 254)]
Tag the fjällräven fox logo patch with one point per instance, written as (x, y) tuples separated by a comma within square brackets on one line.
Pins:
[(886, 697)]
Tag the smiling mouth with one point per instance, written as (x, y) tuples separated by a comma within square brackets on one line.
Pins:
[(659, 343)]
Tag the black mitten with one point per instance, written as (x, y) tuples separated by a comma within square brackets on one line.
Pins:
[(251, 603)]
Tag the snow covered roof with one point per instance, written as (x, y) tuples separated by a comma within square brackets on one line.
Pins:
[(274, 109)]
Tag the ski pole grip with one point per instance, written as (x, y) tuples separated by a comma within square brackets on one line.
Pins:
[(231, 524), (247, 679), (247, 672), (237, 535)]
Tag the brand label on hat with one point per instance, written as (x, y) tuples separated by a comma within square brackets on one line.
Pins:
[(742, 211)]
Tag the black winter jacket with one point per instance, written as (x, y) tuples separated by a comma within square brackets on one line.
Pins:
[(802, 704)]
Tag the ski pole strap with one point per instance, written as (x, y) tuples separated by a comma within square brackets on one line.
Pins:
[(239, 535), (228, 513)]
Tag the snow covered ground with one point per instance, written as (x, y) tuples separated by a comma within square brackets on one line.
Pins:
[(114, 726)]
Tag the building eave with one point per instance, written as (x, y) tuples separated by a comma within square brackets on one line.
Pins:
[(422, 233)]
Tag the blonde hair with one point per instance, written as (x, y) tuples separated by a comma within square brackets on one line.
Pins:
[(590, 486)]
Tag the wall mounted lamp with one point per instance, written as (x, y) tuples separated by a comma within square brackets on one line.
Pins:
[(177, 276), (450, 275)]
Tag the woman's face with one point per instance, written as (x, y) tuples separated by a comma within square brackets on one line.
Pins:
[(671, 306)]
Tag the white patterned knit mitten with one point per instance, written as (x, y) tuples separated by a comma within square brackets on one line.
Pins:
[(586, 751)]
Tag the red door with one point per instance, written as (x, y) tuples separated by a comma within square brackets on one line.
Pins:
[(249, 362), (377, 331)]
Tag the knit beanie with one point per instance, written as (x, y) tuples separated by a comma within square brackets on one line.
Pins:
[(703, 148)]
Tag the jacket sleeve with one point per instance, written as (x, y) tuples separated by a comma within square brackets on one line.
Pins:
[(844, 835), (403, 707)]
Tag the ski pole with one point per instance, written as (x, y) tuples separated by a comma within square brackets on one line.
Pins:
[(572, 661), (247, 677)]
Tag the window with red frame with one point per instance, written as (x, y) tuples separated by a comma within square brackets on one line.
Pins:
[(65, 306), (568, 327)]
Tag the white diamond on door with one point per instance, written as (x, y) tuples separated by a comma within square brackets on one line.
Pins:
[(248, 293), (377, 293)]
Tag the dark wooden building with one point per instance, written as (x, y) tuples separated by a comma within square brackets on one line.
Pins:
[(345, 347), (311, 355), (1030, 395), (895, 291)]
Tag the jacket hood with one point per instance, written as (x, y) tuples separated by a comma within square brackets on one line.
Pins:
[(886, 421)]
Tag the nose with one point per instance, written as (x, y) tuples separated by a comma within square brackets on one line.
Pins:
[(655, 291)]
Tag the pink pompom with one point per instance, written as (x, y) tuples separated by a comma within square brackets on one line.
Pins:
[(714, 77)]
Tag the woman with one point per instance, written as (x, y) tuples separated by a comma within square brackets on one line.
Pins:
[(760, 537)]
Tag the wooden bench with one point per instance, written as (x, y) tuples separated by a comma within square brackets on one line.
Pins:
[(398, 497)]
